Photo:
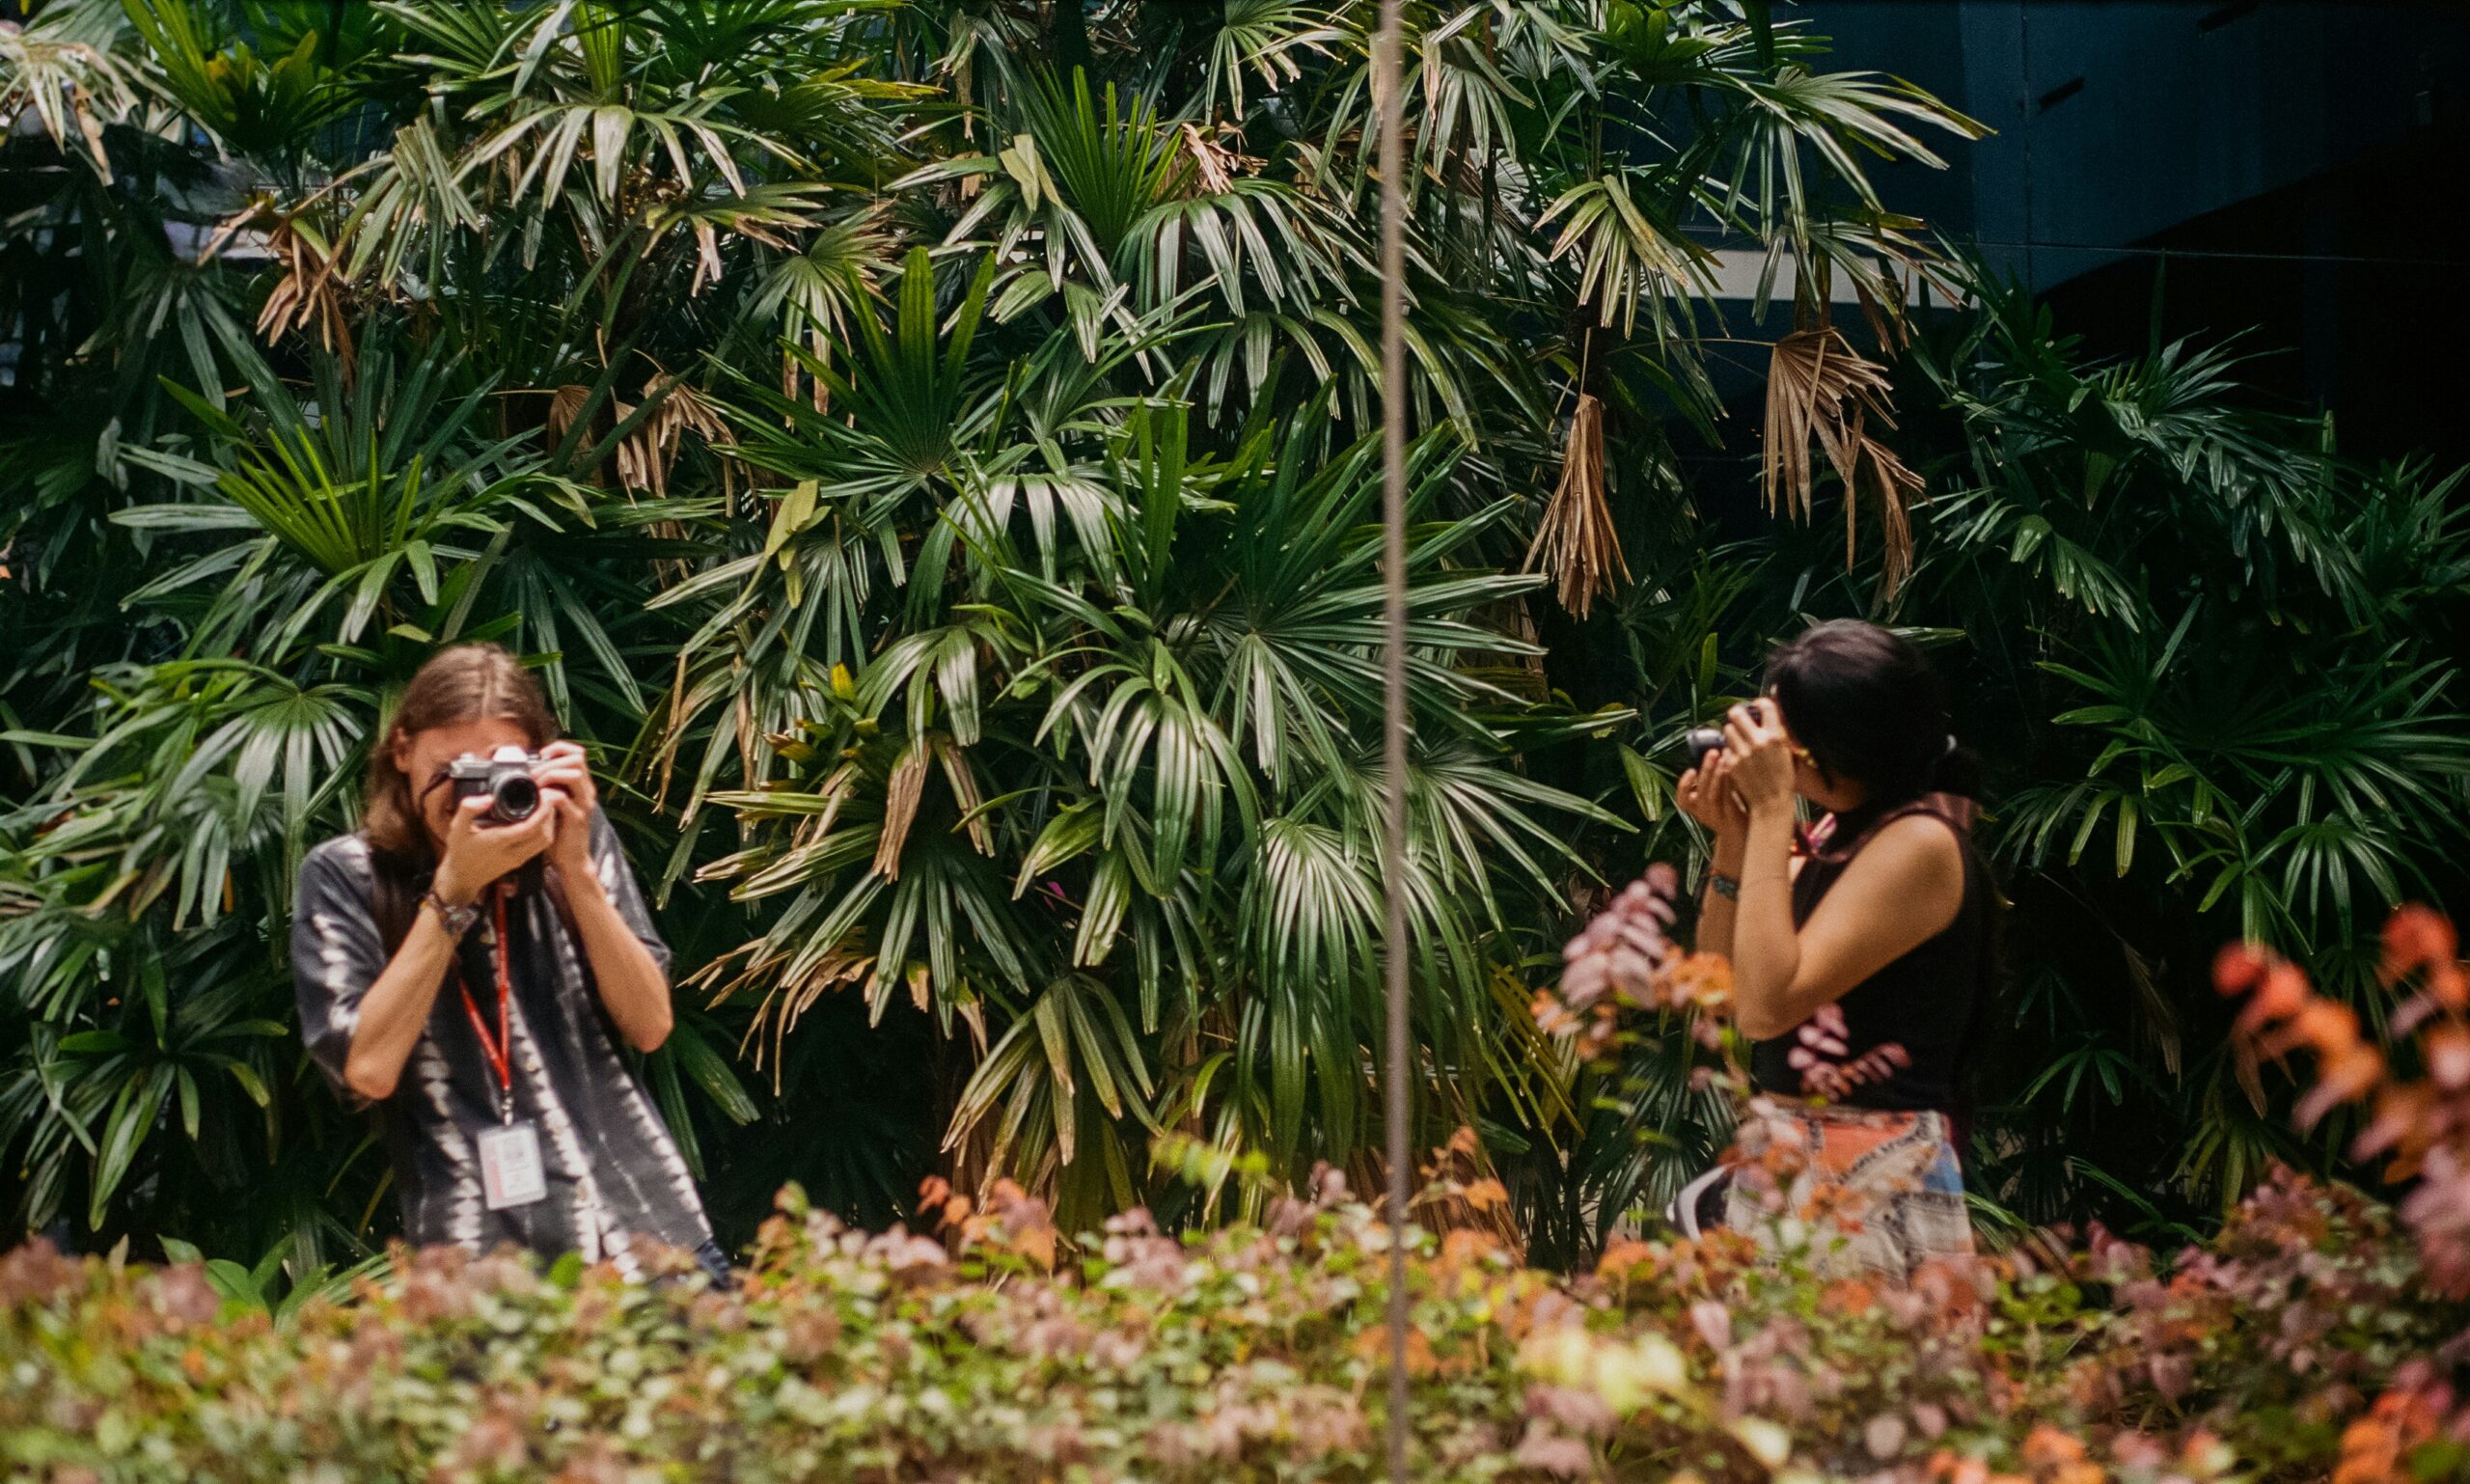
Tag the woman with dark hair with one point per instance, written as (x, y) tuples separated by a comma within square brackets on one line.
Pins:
[(475, 978), (1862, 948)]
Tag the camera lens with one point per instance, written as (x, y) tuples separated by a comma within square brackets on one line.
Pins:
[(515, 797), (1701, 741)]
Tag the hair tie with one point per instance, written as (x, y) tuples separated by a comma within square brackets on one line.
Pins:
[(1951, 746)]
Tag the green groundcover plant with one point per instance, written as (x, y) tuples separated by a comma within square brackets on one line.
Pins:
[(926, 449), (2315, 1336), (1253, 1353)]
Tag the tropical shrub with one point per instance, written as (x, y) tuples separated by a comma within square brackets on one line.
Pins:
[(921, 449), (2216, 668), (2315, 1329), (2412, 1074)]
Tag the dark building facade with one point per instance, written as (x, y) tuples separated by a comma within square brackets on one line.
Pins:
[(2290, 170)]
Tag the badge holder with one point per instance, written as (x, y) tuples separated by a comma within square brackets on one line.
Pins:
[(512, 1171)]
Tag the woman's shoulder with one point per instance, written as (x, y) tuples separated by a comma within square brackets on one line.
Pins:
[(346, 856), (351, 846), (1935, 821), (1923, 829), (1919, 848)]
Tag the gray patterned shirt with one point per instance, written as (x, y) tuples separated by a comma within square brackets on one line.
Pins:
[(612, 1172)]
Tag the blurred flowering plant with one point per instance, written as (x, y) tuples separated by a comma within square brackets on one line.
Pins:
[(2416, 1089), (1242, 1357), (1624, 959), (2305, 1338), (2319, 1336)]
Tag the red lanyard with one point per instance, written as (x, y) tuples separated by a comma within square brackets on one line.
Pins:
[(500, 1048)]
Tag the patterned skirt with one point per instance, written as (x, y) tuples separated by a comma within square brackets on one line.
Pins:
[(1853, 1191)]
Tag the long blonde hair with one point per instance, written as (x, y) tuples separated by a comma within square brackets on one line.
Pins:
[(474, 682)]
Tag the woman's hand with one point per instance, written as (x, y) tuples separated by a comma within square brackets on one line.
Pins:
[(1706, 794), (477, 854), (1761, 754), (568, 795)]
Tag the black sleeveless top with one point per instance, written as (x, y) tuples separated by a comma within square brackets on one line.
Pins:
[(1931, 1001)]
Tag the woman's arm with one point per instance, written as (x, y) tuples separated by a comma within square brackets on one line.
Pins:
[(395, 1008), (633, 979), (1904, 888), (633, 986), (1706, 794), (1718, 912), (1763, 954)]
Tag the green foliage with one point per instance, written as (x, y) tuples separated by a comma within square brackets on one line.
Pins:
[(2216, 668), (924, 454), (924, 447), (1252, 1353)]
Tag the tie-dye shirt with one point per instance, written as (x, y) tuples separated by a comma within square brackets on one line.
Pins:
[(613, 1172)]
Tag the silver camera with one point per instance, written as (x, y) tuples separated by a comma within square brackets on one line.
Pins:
[(504, 778)]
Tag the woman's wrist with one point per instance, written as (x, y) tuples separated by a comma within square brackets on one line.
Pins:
[(1768, 843), (582, 885), (456, 918), (449, 889), (1767, 813)]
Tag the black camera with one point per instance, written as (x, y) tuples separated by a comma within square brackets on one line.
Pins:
[(1701, 743), (505, 778)]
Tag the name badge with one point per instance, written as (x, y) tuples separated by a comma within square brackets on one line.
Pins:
[(510, 1169)]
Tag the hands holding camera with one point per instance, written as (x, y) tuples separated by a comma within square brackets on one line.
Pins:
[(483, 844), (1745, 767)]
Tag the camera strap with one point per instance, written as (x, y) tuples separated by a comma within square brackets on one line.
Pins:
[(498, 1048)]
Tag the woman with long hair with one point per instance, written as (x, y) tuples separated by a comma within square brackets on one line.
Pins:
[(1863, 948), (476, 975)]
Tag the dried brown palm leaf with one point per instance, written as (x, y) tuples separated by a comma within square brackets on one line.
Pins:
[(1821, 390), (901, 795), (753, 225), (672, 735), (65, 86), (648, 455), (246, 225), (1817, 389), (749, 733), (567, 404), (796, 379), (1897, 486), (1215, 164), (964, 793), (796, 978), (312, 288), (1574, 541), (1885, 317)]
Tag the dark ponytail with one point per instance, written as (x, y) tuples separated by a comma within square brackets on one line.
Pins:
[(1959, 772), (1868, 707)]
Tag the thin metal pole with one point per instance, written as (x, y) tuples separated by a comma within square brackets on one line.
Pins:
[(1388, 102)]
